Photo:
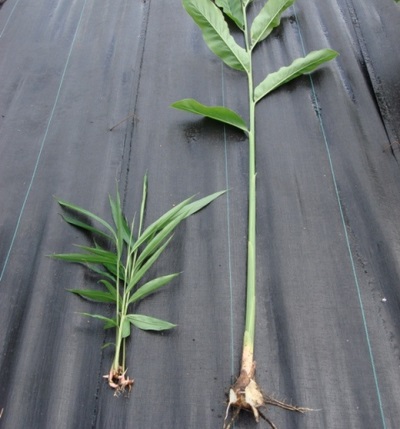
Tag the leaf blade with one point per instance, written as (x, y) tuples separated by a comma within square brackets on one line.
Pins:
[(147, 323), (151, 287), (219, 113), (298, 67), (216, 33), (268, 18), (233, 9), (94, 295)]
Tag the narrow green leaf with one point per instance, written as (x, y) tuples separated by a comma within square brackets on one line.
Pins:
[(151, 287), (146, 266), (107, 345), (147, 323), (81, 258), (75, 222), (233, 9), (155, 242), (87, 213), (102, 273), (196, 206), (160, 223), (218, 113), (268, 18), (94, 295), (216, 34), (299, 66), (119, 221), (111, 289), (109, 323), (143, 204), (106, 255)]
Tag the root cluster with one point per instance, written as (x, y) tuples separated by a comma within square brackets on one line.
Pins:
[(118, 381), (246, 395)]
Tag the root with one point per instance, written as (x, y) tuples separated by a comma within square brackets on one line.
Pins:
[(118, 381), (246, 395)]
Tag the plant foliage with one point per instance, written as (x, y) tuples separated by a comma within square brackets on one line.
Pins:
[(212, 18), (121, 256)]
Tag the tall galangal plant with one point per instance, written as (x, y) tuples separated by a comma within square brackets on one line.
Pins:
[(121, 256), (210, 17)]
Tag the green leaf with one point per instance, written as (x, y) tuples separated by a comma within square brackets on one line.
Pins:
[(160, 223), (151, 287), (196, 206), (75, 222), (143, 204), (216, 34), (94, 295), (218, 113), (125, 327), (109, 323), (81, 258), (155, 242), (106, 255), (268, 18), (87, 213), (299, 66), (233, 9), (123, 230), (111, 289), (147, 323), (146, 266)]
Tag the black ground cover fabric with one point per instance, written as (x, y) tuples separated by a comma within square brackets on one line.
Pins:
[(328, 321)]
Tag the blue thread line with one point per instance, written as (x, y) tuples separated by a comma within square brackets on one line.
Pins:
[(42, 144), (228, 224), (314, 95), (8, 19)]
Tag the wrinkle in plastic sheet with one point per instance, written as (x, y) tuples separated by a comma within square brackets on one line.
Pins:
[(328, 230)]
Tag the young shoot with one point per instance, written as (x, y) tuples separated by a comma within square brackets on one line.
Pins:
[(121, 256), (212, 18)]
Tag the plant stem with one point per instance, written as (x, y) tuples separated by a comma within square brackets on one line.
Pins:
[(248, 341)]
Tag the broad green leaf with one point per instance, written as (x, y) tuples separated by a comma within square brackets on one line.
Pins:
[(233, 9), (94, 295), (147, 323), (125, 327), (146, 266), (268, 18), (83, 225), (109, 323), (87, 213), (218, 113), (299, 66), (151, 287), (216, 34)]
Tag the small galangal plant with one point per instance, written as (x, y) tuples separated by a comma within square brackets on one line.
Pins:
[(210, 16), (121, 256)]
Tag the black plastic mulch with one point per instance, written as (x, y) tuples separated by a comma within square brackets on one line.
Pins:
[(328, 326)]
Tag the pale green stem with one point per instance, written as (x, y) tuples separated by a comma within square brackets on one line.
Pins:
[(251, 246)]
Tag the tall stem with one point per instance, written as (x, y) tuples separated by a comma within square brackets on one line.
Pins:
[(248, 342)]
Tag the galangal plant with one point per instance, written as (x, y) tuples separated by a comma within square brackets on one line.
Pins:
[(121, 256), (210, 17)]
